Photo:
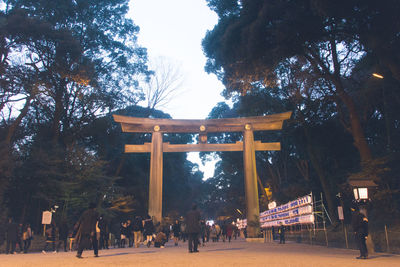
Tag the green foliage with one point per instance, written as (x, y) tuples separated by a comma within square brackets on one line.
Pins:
[(72, 63), (316, 59)]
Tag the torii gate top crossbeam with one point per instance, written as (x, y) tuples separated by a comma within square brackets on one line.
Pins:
[(147, 125)]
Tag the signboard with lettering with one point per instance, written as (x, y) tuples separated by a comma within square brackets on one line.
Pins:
[(299, 211), (46, 217)]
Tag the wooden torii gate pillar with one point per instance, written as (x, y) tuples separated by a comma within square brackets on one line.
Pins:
[(246, 125)]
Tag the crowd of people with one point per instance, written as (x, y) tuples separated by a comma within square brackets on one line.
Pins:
[(93, 231), (17, 234)]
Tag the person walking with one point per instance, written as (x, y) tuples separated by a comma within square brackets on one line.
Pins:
[(129, 232), (50, 238), (223, 231), (359, 223), (218, 229), (229, 231), (183, 232), (124, 234), (19, 237), (11, 236), (166, 228), (62, 235), (203, 232), (281, 232), (148, 230), (27, 237), (193, 228), (137, 228), (176, 231), (87, 231), (213, 233), (116, 234), (208, 230)]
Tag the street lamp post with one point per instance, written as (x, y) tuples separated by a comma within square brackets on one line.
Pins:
[(361, 195)]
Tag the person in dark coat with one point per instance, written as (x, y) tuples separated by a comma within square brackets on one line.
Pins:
[(148, 230), (281, 232), (137, 230), (124, 234), (87, 231), (62, 235), (176, 230), (229, 231), (19, 237), (116, 232), (203, 232), (223, 231), (359, 223), (193, 228), (11, 236), (129, 232)]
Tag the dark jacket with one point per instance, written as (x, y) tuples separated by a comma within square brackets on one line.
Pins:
[(176, 229), (148, 227), (137, 224), (359, 223), (12, 231), (193, 221), (63, 231), (87, 222)]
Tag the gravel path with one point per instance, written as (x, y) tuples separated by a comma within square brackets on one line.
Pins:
[(236, 253)]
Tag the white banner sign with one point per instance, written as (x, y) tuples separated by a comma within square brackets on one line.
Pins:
[(286, 214), (299, 211), (305, 219), (290, 205)]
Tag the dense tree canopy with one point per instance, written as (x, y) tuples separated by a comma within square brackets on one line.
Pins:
[(67, 66), (315, 58)]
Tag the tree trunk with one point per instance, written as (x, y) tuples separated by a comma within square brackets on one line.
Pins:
[(58, 111), (321, 175), (355, 124), (354, 119), (15, 124)]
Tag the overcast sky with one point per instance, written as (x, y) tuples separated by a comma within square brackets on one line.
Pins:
[(174, 29)]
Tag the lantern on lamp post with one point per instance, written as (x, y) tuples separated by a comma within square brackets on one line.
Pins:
[(361, 188), (360, 194)]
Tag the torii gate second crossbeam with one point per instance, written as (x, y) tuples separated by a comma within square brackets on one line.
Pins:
[(246, 125)]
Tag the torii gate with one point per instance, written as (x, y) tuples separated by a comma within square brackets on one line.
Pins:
[(246, 125)]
